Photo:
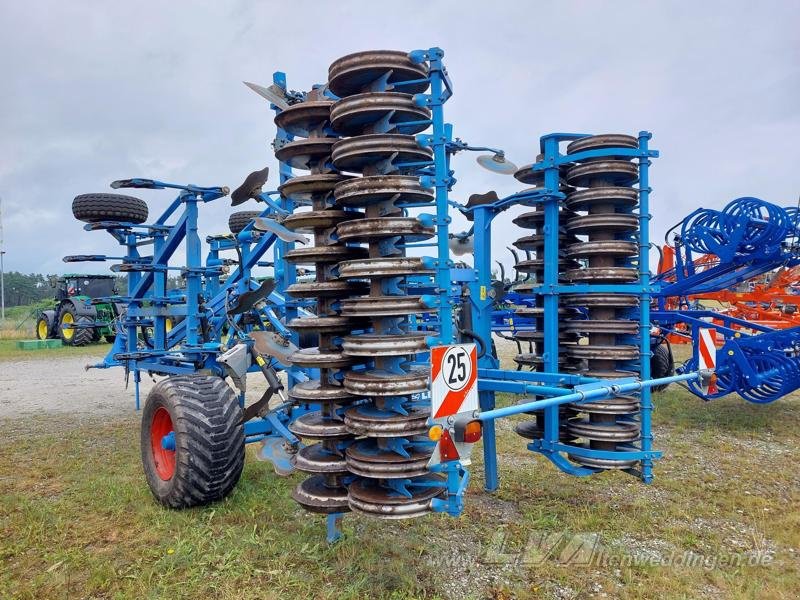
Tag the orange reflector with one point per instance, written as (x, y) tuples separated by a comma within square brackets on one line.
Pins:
[(472, 432), (435, 433)]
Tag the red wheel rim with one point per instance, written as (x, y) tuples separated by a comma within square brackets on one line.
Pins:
[(164, 460)]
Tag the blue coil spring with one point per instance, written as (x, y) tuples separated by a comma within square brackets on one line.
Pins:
[(747, 223)]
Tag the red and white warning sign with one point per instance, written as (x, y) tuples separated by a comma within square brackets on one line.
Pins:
[(708, 350), (454, 380)]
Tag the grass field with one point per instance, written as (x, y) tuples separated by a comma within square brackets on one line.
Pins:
[(76, 520)]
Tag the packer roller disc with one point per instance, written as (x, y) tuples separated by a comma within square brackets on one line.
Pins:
[(603, 173), (361, 152), (383, 306), (317, 459), (313, 255), (315, 391), (382, 267), (316, 496), (304, 118), (327, 289), (400, 189), (611, 196), (615, 248), (601, 463), (368, 496), (316, 426), (362, 112), (368, 419), (331, 324), (602, 223), (359, 71), (312, 220), (385, 344), (367, 459), (366, 230), (314, 358), (306, 153), (301, 188), (385, 383), (603, 141)]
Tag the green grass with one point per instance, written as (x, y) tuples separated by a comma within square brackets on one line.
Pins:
[(77, 520), (10, 352)]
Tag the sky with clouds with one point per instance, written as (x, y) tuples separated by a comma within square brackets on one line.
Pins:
[(95, 91)]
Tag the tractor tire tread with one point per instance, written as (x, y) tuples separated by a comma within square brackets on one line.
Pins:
[(209, 435), (92, 208)]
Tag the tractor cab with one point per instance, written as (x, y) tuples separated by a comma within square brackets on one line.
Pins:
[(90, 286)]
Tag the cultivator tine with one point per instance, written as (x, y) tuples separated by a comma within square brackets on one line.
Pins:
[(251, 187)]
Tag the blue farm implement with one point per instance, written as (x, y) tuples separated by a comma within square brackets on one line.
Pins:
[(386, 337)]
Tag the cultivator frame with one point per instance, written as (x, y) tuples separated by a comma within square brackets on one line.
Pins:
[(593, 412)]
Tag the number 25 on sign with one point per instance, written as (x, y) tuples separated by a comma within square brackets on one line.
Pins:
[(454, 380)]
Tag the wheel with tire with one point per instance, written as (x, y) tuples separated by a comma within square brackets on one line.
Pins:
[(42, 328), (239, 220), (93, 208), (192, 440), (662, 364), (110, 338), (71, 327)]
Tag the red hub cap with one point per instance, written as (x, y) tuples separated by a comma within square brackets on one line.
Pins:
[(163, 459)]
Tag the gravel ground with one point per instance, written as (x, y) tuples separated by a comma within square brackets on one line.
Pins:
[(62, 386)]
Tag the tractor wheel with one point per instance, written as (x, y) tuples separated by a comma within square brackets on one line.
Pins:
[(110, 338), (239, 220), (42, 328), (92, 208), (78, 336), (192, 440), (661, 364)]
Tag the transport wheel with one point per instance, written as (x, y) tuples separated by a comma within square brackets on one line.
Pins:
[(192, 440), (239, 220), (110, 338), (92, 208), (662, 364), (77, 336), (42, 328)]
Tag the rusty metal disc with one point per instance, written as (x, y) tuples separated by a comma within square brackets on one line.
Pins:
[(314, 391), (357, 153), (535, 218), (314, 358), (368, 496), (323, 254), (619, 405), (536, 265), (601, 300), (615, 248), (602, 223), (368, 419), (316, 426), (383, 306), (609, 373), (315, 496), (603, 352), (329, 324), (318, 459), (306, 153), (385, 344), (302, 188), (384, 383), (367, 230), (367, 459), (605, 140), (535, 242), (602, 463), (613, 196), (327, 289), (361, 113), (603, 173), (369, 268), (359, 71), (312, 220), (603, 275), (613, 326), (303, 118), (363, 191)]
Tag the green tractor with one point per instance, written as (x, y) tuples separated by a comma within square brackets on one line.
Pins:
[(75, 318)]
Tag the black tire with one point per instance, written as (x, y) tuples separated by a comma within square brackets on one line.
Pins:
[(662, 364), (80, 336), (110, 338), (239, 220), (42, 326), (208, 458), (92, 208)]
